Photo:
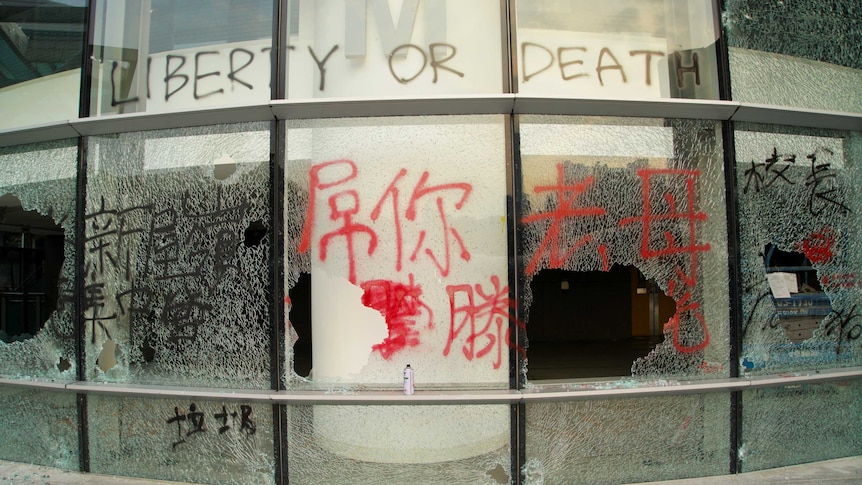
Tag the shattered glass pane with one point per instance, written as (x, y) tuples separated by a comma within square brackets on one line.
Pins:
[(788, 425), (631, 49), (400, 226), (600, 194), (332, 444), (176, 274), (402, 223), (799, 206), (39, 427), (218, 442), (627, 440), (805, 53), (38, 182)]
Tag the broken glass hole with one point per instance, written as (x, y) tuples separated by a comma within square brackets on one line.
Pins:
[(254, 233), (799, 300), (31, 257), (300, 320), (593, 323)]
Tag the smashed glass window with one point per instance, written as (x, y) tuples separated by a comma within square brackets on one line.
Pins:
[(326, 450), (805, 53), (177, 264), (627, 440), (37, 258), (396, 255), (39, 427), (402, 222), (562, 346), (623, 247), (794, 424), (799, 212), (186, 440)]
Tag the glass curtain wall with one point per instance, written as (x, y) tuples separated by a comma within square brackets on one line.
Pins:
[(384, 49), (177, 294), (799, 223), (537, 255)]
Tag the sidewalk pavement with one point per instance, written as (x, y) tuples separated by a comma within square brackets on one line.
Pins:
[(843, 471)]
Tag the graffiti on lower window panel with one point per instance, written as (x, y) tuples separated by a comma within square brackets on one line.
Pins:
[(578, 229), (420, 217), (193, 420), (156, 262)]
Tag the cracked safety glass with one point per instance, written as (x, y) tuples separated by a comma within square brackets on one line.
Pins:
[(37, 257), (623, 226), (176, 274), (799, 212)]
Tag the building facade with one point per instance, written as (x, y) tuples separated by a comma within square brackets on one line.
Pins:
[(615, 242)]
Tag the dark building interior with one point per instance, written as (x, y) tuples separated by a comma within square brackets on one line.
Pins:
[(31, 256), (594, 323)]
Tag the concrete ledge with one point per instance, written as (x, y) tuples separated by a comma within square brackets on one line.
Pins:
[(843, 471)]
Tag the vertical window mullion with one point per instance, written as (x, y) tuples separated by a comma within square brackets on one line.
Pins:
[(733, 251), (80, 333), (278, 364)]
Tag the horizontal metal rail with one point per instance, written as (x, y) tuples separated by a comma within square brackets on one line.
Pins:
[(573, 391), (435, 105)]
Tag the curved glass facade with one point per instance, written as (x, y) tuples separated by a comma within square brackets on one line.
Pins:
[(613, 243)]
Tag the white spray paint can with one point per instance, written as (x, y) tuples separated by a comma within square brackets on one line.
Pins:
[(408, 380)]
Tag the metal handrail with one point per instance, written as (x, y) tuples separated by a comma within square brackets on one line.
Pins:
[(623, 388), (504, 103)]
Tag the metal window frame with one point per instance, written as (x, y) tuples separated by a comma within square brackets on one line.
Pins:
[(556, 393), (502, 104), (509, 104)]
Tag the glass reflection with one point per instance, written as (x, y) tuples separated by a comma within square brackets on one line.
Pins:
[(390, 49), (40, 58), (802, 54), (625, 49), (161, 55)]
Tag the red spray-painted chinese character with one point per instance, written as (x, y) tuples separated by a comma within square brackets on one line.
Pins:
[(401, 305), (342, 205), (450, 234), (818, 246), (488, 320), (566, 208), (688, 310)]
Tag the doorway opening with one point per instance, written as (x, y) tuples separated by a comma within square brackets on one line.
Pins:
[(587, 324)]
